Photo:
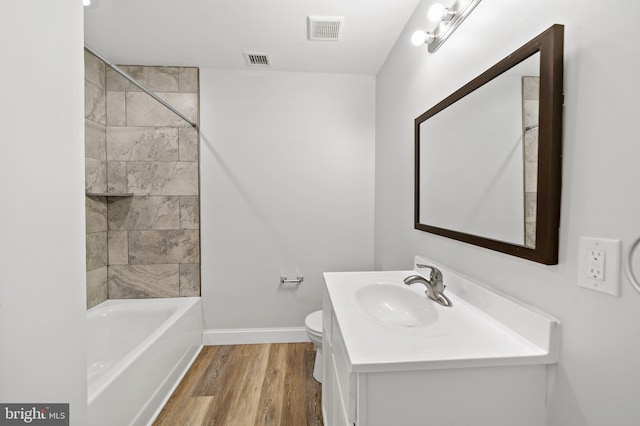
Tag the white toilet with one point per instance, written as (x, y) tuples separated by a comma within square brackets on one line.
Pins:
[(313, 323)]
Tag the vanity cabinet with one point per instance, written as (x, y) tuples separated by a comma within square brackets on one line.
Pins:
[(338, 383), (380, 390)]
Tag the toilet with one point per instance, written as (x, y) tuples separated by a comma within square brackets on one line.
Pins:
[(313, 323)]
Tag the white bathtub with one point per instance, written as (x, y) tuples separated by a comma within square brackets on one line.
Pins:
[(138, 350)]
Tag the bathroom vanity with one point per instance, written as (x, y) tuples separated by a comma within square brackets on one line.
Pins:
[(391, 356)]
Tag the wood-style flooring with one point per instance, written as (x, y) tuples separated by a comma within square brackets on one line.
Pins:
[(247, 385)]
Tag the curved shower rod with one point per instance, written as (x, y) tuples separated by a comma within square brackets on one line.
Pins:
[(140, 86), (628, 266)]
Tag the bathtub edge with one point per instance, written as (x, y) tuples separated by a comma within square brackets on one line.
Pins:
[(174, 382)]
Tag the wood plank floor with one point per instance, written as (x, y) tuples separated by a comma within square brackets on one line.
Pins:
[(247, 385)]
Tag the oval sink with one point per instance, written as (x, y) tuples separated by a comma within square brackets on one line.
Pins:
[(394, 305)]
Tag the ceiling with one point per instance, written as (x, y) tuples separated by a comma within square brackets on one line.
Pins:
[(215, 33)]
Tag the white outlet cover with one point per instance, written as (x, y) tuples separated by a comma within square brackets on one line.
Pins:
[(612, 249)]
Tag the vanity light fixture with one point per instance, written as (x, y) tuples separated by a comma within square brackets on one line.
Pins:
[(448, 18)]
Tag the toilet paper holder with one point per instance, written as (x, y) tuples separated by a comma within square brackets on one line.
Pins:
[(285, 280)]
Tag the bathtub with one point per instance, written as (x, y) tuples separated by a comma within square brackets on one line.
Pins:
[(138, 350)]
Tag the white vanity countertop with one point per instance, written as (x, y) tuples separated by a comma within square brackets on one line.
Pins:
[(482, 328)]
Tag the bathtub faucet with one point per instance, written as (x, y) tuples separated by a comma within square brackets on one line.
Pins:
[(435, 285)]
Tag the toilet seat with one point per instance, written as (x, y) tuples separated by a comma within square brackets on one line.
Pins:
[(313, 322), (314, 336)]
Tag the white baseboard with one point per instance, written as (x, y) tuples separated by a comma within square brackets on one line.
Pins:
[(244, 336)]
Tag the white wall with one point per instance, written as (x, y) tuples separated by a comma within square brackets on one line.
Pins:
[(287, 185), (42, 288), (598, 373)]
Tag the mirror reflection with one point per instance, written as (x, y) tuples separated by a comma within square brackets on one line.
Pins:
[(478, 159)]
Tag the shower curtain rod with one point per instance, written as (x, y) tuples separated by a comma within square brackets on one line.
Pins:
[(140, 86)]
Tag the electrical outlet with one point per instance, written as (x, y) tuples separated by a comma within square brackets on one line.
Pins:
[(599, 265), (595, 264)]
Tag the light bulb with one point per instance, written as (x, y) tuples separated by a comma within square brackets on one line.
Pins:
[(436, 12), (86, 2), (421, 37), (418, 38)]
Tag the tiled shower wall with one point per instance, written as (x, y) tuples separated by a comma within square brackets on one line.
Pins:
[(530, 106), (95, 107), (153, 237)]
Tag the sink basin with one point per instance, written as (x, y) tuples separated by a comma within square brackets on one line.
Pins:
[(393, 305)]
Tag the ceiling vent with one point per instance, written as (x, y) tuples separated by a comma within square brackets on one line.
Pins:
[(324, 27), (257, 59)]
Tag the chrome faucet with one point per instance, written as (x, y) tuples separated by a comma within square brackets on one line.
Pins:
[(435, 286)]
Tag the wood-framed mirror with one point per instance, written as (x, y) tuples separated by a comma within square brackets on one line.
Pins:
[(488, 157)]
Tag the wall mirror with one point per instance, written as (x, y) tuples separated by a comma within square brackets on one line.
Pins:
[(488, 157)]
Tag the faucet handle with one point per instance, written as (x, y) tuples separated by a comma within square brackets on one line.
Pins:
[(436, 274)]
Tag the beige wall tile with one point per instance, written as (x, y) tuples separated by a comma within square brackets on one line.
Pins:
[(95, 141), (116, 83), (188, 80), (189, 280), (189, 212), (96, 287), (164, 247), (530, 234), (156, 79), (116, 109), (530, 176), (95, 104), (143, 281), (118, 247), (530, 109), (162, 178), (530, 205), (530, 88), (144, 212), (96, 250), (188, 141), (531, 145), (94, 70), (142, 143), (95, 214), (95, 172), (143, 110), (117, 176)]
